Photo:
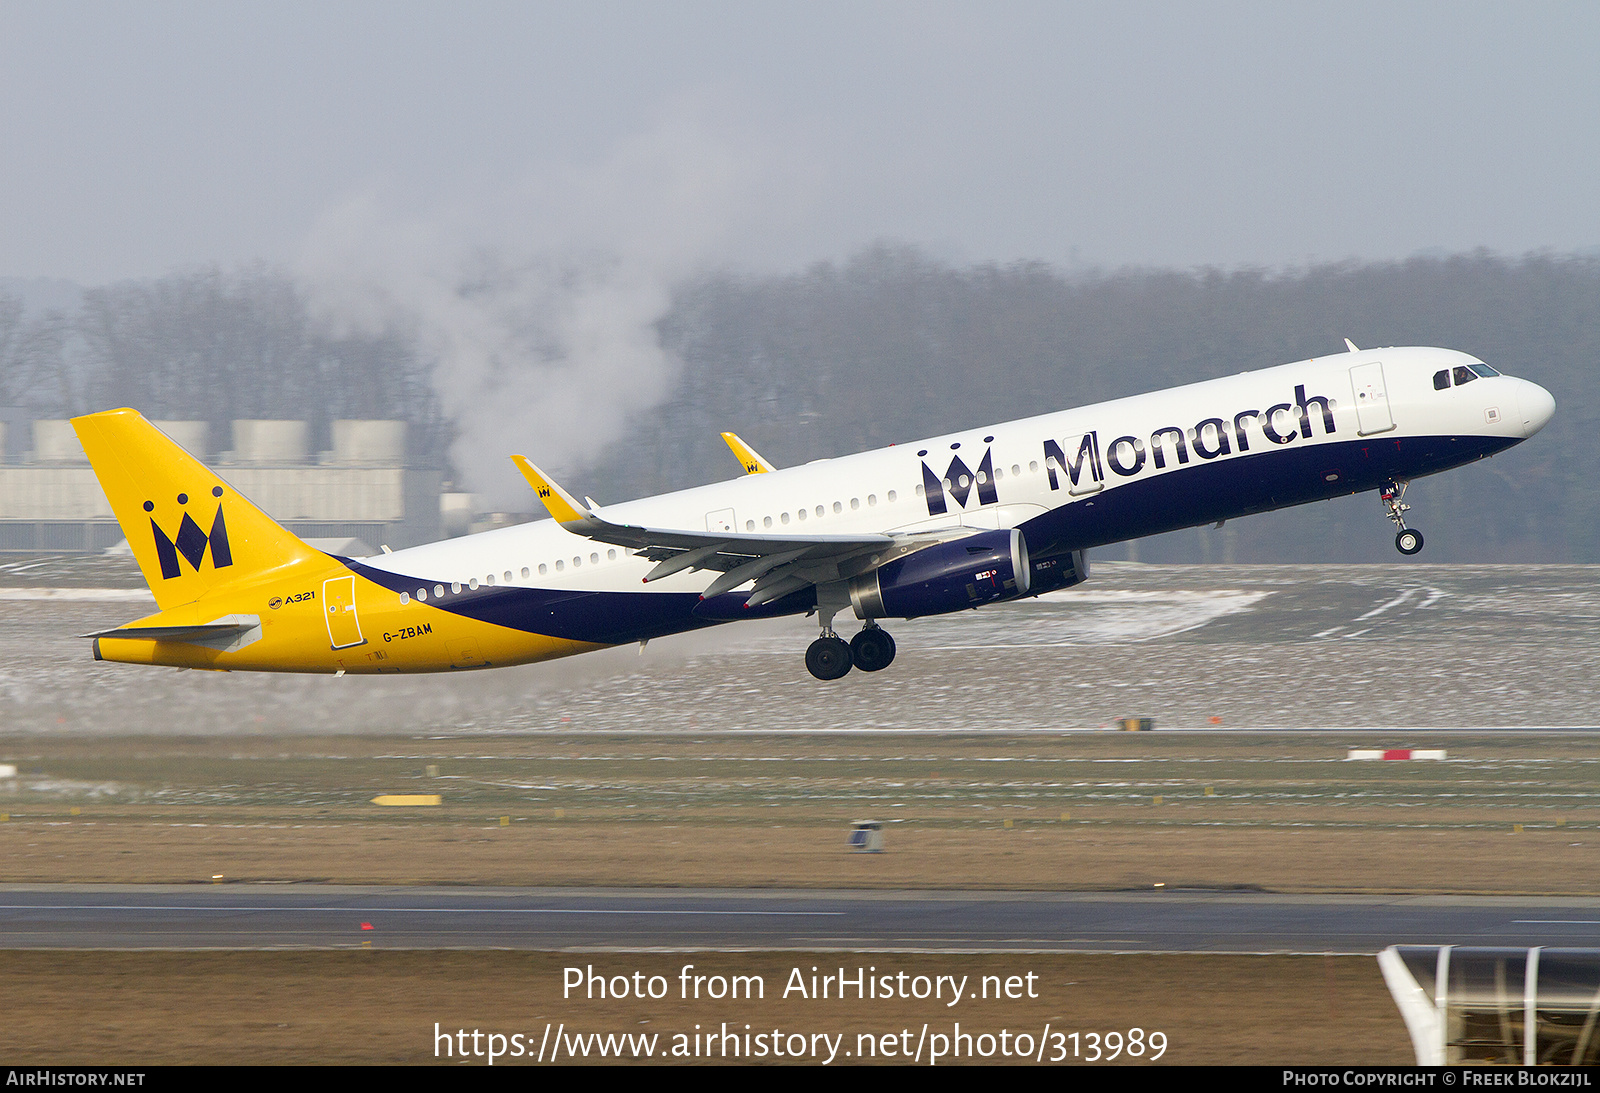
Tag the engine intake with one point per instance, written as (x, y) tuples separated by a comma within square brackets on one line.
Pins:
[(983, 568)]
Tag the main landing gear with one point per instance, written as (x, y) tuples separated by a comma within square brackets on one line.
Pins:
[(1407, 541), (830, 657), (872, 649)]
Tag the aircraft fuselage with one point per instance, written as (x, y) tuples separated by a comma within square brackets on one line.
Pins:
[(1068, 481)]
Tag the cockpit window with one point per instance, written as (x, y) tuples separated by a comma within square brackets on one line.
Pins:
[(1463, 374), (1483, 370), (1441, 380)]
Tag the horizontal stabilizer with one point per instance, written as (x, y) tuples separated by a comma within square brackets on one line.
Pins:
[(227, 632)]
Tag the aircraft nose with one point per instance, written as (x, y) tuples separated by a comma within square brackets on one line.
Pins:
[(1537, 406)]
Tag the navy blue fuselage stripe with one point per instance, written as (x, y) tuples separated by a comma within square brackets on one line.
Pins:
[(1226, 489), (604, 618), (1199, 493)]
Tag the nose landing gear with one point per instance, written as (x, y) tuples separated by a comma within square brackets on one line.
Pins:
[(1407, 541)]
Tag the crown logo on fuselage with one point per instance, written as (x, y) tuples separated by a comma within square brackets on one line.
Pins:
[(959, 482)]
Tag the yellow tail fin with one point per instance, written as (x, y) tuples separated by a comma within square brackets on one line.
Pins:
[(190, 531)]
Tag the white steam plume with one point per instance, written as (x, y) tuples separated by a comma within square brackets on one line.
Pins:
[(540, 302)]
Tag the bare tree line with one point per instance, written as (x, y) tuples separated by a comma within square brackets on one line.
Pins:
[(31, 366), (214, 346)]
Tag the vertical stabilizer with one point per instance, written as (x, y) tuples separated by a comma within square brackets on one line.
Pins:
[(190, 531)]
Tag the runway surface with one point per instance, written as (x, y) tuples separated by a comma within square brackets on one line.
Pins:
[(275, 916)]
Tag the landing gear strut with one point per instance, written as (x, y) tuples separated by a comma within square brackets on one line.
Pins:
[(1407, 541)]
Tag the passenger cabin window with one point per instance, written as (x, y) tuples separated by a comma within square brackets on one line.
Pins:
[(1463, 374), (1441, 380)]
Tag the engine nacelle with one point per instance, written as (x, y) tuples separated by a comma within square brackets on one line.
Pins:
[(983, 568)]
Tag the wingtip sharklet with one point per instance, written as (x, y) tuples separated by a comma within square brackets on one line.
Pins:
[(562, 505), (750, 459)]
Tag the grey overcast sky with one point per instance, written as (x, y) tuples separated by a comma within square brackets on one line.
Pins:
[(139, 137)]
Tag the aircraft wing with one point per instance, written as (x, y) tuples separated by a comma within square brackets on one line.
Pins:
[(778, 564)]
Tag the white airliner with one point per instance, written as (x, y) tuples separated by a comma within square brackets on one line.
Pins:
[(944, 524)]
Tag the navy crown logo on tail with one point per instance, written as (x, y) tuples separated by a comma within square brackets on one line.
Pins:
[(190, 541)]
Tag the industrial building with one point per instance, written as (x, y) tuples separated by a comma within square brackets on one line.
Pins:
[(50, 500)]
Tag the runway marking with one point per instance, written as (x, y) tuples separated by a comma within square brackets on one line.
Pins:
[(1555, 922), (1381, 608)]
